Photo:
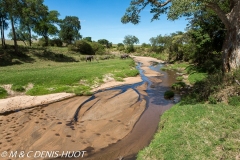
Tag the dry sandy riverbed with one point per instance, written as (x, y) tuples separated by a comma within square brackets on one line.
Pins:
[(72, 124)]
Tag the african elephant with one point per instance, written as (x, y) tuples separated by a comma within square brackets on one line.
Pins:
[(89, 58), (124, 56)]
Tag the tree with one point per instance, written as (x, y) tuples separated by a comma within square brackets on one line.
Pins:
[(3, 26), (13, 10), (31, 14), (120, 46), (145, 45), (105, 43), (46, 25), (160, 43), (89, 39), (84, 47), (70, 27), (130, 40), (227, 10), (20, 35)]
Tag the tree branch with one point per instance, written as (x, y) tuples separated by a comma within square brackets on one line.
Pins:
[(157, 4), (237, 82), (215, 7)]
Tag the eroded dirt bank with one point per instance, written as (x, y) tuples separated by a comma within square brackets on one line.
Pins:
[(111, 124)]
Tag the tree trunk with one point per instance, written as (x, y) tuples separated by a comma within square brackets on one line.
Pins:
[(30, 36), (1, 25), (2, 33), (231, 46), (14, 36), (46, 40)]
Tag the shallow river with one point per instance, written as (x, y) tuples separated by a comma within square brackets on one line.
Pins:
[(146, 126)]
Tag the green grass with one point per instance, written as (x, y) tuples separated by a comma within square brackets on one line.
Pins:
[(50, 75), (179, 78), (177, 66), (234, 101), (178, 85), (180, 67), (18, 88), (200, 131), (196, 77), (3, 93)]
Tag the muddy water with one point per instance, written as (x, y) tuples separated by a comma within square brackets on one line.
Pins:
[(146, 126)]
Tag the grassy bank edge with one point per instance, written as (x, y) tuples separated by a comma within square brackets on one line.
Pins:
[(200, 131)]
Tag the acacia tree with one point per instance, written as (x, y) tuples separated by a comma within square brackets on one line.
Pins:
[(105, 43), (129, 41), (70, 27), (46, 25), (31, 14), (230, 17)]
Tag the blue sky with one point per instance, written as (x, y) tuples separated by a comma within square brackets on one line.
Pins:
[(101, 19)]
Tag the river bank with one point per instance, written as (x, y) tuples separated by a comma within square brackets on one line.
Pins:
[(91, 123)]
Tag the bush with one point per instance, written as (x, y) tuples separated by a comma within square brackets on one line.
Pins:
[(55, 42), (130, 49), (179, 78), (84, 47), (18, 88), (71, 47), (121, 48), (169, 94), (100, 52), (212, 100), (98, 48), (178, 85), (42, 42), (3, 93)]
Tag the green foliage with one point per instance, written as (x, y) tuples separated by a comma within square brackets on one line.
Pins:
[(98, 49), (130, 49), (234, 101), (130, 40), (178, 85), (212, 100), (145, 45), (88, 39), (3, 93), (204, 87), (120, 46), (70, 27), (105, 42), (18, 88), (46, 25), (196, 77), (55, 42), (84, 47), (179, 78), (42, 42), (71, 47), (169, 94)]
